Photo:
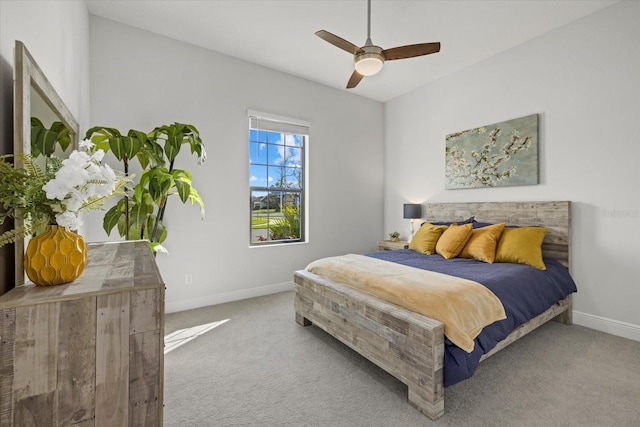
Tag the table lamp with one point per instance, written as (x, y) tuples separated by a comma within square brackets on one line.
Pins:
[(412, 211)]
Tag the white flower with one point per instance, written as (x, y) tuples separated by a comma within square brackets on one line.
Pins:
[(77, 159), (76, 200), (56, 189), (79, 184), (97, 156), (86, 144), (69, 220), (108, 173)]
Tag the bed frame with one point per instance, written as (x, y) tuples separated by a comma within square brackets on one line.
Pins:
[(406, 344)]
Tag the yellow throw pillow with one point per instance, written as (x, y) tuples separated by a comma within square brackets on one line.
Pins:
[(424, 241), (483, 242), (522, 246), (453, 240)]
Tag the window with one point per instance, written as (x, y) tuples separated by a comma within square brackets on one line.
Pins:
[(277, 178)]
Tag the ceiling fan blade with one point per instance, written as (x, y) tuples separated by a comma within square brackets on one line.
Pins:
[(410, 51), (338, 42), (354, 79)]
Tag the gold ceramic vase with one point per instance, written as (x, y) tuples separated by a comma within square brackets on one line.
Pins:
[(55, 257)]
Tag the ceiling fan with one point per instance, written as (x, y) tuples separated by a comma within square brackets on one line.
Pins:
[(370, 58)]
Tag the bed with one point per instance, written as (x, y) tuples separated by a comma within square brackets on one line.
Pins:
[(411, 346)]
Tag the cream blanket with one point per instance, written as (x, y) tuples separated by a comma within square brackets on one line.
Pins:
[(464, 306)]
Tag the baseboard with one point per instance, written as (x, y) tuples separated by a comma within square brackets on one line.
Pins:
[(610, 326), (171, 307)]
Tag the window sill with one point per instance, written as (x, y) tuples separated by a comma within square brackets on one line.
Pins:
[(277, 245)]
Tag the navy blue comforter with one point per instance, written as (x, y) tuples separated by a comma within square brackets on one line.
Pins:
[(524, 291)]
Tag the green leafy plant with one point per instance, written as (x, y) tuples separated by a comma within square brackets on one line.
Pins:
[(57, 195), (141, 216), (44, 141), (23, 197), (288, 226)]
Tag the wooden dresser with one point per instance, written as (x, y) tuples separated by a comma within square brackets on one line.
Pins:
[(87, 353)]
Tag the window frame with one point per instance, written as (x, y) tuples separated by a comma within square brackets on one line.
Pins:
[(285, 126)]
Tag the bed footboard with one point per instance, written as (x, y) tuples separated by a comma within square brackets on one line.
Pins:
[(405, 344)]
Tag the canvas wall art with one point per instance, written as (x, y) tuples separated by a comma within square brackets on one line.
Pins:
[(497, 155)]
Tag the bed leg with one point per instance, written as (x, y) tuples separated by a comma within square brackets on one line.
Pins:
[(566, 317), (301, 320), (430, 404)]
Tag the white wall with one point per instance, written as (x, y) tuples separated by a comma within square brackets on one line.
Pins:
[(56, 32), (582, 80), (141, 80)]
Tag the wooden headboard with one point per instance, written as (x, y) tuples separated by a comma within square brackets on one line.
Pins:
[(556, 216)]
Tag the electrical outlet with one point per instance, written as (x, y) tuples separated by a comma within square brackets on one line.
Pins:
[(188, 279)]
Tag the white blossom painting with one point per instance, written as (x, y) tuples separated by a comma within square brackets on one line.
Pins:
[(497, 155)]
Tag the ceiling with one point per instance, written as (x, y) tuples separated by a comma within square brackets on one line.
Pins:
[(279, 34)]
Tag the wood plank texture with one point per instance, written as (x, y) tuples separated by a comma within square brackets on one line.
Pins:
[(89, 353), (7, 345), (36, 343), (112, 360), (35, 364), (105, 273), (556, 216), (406, 344), (144, 392), (76, 355), (35, 410), (146, 315)]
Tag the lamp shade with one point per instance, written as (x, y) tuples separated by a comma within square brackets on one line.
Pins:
[(412, 211), (368, 66)]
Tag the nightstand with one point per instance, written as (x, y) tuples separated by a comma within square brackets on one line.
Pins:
[(388, 245)]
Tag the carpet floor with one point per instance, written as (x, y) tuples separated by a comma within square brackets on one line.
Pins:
[(247, 363)]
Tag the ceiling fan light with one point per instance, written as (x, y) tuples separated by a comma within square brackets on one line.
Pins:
[(369, 64)]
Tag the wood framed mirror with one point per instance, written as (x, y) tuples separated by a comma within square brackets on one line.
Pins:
[(34, 96)]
